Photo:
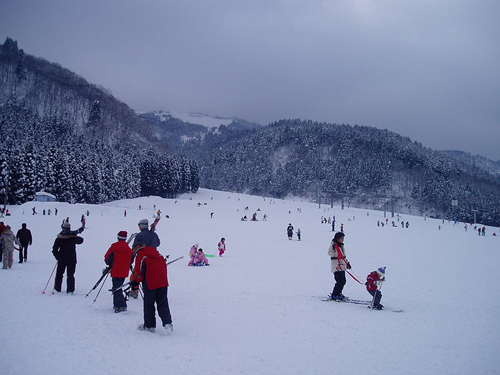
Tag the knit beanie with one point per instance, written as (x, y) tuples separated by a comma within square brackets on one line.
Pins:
[(122, 235), (66, 225), (381, 271)]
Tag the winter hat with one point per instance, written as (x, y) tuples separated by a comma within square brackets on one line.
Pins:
[(196, 245), (23, 225), (66, 225), (144, 223), (381, 271), (122, 235)]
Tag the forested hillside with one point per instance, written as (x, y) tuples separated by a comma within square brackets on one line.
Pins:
[(73, 139), (358, 165)]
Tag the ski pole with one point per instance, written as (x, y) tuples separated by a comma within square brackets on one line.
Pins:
[(48, 281), (99, 292), (105, 272), (175, 260)]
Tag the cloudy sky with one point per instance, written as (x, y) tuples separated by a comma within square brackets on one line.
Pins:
[(427, 69)]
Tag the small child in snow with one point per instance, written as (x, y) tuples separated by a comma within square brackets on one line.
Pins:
[(373, 280), (193, 253), (197, 256), (222, 246), (298, 234), (201, 259)]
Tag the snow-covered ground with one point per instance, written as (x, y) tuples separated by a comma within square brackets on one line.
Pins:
[(257, 309)]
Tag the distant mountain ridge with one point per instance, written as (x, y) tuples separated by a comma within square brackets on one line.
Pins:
[(474, 161), (360, 165)]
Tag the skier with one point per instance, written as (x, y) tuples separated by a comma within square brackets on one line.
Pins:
[(339, 264), (151, 269), (298, 234), (8, 241), (222, 246), (64, 250), (119, 258), (146, 237), (289, 231), (25, 239), (373, 280)]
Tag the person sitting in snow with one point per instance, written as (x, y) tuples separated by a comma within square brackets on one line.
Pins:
[(201, 259), (150, 269), (373, 280), (119, 258), (222, 246), (198, 258), (193, 254)]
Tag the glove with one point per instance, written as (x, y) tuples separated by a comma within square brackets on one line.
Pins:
[(348, 265), (134, 284), (80, 230)]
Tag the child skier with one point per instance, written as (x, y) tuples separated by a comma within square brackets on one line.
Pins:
[(151, 269), (222, 246), (373, 280), (119, 258)]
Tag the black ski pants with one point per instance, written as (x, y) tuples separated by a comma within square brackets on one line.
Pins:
[(23, 253), (118, 297), (158, 296), (70, 276), (339, 283), (377, 296)]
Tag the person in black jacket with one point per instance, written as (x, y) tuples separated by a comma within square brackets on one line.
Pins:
[(64, 251), (25, 238)]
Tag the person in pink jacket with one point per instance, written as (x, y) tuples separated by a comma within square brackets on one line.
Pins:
[(197, 256), (201, 258), (193, 253), (222, 246)]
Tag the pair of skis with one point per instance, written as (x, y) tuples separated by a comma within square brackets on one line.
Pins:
[(368, 304)]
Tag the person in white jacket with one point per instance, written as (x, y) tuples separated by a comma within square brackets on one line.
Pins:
[(339, 264)]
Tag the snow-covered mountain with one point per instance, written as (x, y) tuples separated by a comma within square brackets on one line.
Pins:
[(475, 161), (257, 310)]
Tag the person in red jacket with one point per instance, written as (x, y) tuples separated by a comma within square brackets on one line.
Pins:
[(373, 280), (119, 258), (151, 269)]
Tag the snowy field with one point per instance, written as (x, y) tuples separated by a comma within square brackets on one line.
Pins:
[(257, 310)]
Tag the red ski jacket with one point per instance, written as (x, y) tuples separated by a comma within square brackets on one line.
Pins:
[(371, 280), (150, 268), (119, 256)]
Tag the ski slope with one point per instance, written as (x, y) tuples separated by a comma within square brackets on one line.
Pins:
[(257, 310)]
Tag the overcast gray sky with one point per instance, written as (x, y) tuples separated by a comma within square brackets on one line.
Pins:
[(427, 69)]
